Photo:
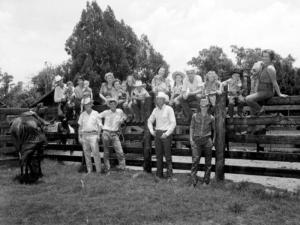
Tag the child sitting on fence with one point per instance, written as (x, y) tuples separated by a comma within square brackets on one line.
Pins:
[(139, 95), (70, 97), (120, 93), (87, 92), (212, 87), (202, 138), (176, 92), (255, 71), (235, 97)]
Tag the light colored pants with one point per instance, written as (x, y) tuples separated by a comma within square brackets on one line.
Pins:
[(91, 148), (113, 139)]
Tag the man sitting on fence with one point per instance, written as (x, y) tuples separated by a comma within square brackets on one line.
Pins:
[(89, 134), (201, 129), (113, 118), (165, 120)]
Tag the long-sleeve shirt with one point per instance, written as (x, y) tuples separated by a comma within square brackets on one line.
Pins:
[(59, 93), (165, 119), (195, 85), (89, 122), (112, 120)]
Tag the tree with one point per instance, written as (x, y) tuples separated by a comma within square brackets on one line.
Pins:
[(6, 83), (100, 43), (212, 59)]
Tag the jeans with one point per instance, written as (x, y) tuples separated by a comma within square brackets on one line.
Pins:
[(138, 107), (253, 99), (91, 148), (112, 138), (163, 148), (200, 145)]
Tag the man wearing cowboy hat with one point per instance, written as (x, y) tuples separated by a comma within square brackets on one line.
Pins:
[(201, 132), (89, 134), (138, 96), (165, 120), (191, 91), (113, 118), (59, 95)]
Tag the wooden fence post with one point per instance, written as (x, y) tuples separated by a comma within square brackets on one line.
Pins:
[(147, 142), (220, 115)]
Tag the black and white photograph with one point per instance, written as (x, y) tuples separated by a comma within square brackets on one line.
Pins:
[(149, 112)]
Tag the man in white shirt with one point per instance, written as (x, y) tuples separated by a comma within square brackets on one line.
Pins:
[(192, 90), (113, 118), (89, 134), (165, 120), (59, 96)]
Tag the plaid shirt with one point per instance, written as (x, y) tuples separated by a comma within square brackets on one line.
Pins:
[(202, 126)]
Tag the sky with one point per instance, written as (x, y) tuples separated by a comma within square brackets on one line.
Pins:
[(33, 32)]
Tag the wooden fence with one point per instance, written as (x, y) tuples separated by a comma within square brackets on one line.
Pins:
[(141, 155)]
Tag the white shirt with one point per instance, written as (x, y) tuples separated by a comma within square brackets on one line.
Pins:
[(165, 119), (59, 93), (112, 120), (196, 85), (89, 122)]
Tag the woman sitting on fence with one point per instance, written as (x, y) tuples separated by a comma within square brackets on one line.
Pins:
[(107, 89), (176, 91), (212, 87), (159, 82), (267, 83)]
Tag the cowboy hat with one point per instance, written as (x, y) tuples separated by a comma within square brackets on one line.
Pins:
[(108, 75), (111, 99), (178, 73), (57, 78), (139, 83), (163, 95), (86, 101)]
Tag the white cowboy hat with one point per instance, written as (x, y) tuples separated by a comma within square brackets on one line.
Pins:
[(111, 99), (191, 70), (163, 95), (139, 83), (57, 78), (86, 101)]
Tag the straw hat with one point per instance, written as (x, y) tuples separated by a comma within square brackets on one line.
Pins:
[(57, 78), (111, 99), (108, 75), (178, 73), (163, 95), (139, 83), (87, 101)]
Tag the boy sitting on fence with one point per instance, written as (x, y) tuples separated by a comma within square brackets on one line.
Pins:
[(70, 96), (202, 138), (235, 97), (139, 95)]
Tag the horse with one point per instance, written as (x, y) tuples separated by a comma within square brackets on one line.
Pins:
[(29, 140)]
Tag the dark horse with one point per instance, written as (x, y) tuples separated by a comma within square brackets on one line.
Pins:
[(29, 140)]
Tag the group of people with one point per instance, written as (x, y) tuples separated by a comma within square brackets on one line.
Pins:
[(130, 97)]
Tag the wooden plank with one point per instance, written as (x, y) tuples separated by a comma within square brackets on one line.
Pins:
[(290, 100), (264, 139), (12, 111), (265, 120)]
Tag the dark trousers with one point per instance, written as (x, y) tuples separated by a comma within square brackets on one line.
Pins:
[(163, 148), (186, 108), (201, 145)]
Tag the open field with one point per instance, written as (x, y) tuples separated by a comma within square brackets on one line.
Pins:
[(125, 198)]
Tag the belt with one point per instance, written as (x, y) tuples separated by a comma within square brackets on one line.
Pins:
[(90, 132), (110, 131)]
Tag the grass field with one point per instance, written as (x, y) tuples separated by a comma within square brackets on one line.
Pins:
[(129, 198)]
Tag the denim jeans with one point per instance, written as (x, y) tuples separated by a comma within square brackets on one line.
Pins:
[(253, 99), (201, 145), (112, 138), (163, 148), (91, 148)]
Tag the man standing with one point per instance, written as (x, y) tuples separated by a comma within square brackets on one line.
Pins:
[(59, 95), (78, 94), (113, 118), (192, 90), (89, 133), (165, 120)]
